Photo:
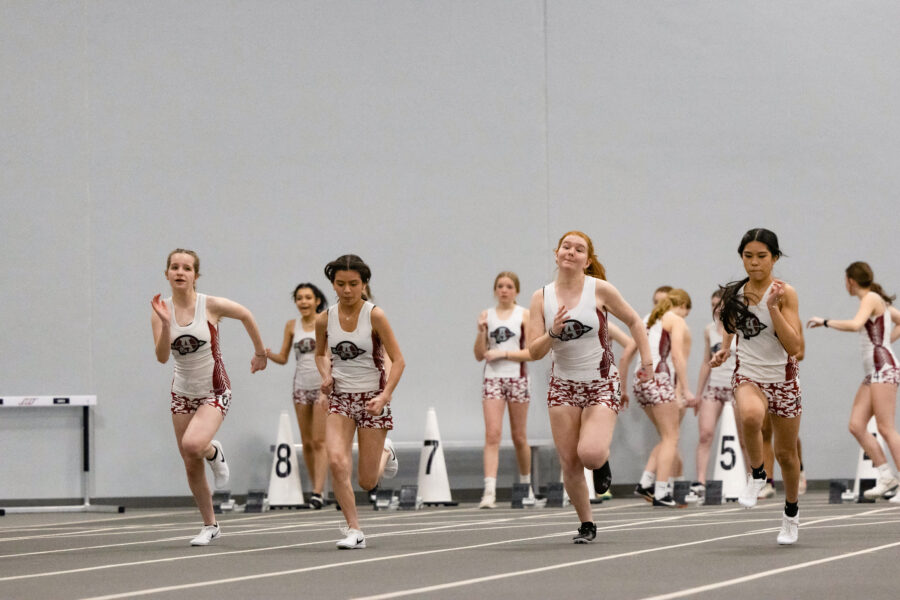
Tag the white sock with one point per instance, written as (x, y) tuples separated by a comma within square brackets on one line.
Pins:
[(885, 470), (525, 478), (660, 490), (647, 479), (490, 485)]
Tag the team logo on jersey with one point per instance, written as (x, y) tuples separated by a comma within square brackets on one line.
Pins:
[(572, 330), (752, 327), (501, 334), (347, 350), (305, 346), (186, 344)]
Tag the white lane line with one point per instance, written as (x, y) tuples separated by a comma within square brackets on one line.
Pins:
[(746, 578), (100, 520), (477, 580)]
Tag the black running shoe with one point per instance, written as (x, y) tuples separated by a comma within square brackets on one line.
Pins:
[(668, 502), (586, 533), (602, 478), (644, 492), (316, 501)]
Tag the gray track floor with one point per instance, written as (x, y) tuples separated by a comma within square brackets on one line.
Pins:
[(848, 550)]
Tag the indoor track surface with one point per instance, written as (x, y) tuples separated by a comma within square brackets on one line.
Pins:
[(847, 550)]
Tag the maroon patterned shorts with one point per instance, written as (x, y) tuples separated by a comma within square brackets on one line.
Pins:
[(885, 375), (783, 396), (353, 406), (717, 394), (510, 389), (653, 392), (306, 396), (188, 405), (581, 394)]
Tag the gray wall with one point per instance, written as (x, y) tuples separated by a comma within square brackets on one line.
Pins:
[(441, 141)]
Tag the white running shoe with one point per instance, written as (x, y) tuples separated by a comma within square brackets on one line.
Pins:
[(790, 529), (895, 499), (488, 500), (748, 497), (354, 539), (392, 465), (767, 492), (206, 535), (219, 466), (883, 485)]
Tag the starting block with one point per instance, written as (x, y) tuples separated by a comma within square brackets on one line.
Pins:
[(222, 502), (256, 501), (836, 490), (680, 492), (865, 484), (555, 495), (383, 499), (713, 493), (409, 498)]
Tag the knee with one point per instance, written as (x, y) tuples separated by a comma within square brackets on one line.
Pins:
[(192, 448), (786, 456), (308, 448), (753, 422), (520, 440), (593, 458), (367, 482), (317, 445), (856, 429), (886, 430), (339, 466), (492, 438), (706, 437)]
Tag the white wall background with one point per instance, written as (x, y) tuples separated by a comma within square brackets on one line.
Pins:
[(443, 142)]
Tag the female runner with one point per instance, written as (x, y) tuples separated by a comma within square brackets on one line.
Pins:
[(569, 317), (186, 326), (502, 344), (763, 312), (300, 333), (663, 397), (877, 395), (714, 390), (358, 335)]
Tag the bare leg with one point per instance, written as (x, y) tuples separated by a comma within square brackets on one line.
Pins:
[(884, 398), (666, 415), (860, 414), (565, 423), (372, 456), (785, 433), (193, 434), (493, 430), (707, 419), (753, 405), (339, 445), (518, 424)]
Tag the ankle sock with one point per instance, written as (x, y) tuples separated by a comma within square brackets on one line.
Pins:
[(647, 479), (759, 472), (791, 508)]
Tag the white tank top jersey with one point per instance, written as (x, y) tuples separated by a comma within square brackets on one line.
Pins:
[(307, 376), (507, 335), (582, 352), (660, 349), (875, 354), (760, 356), (357, 357), (199, 370), (720, 376)]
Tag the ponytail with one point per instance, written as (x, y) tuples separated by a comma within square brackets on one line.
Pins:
[(661, 308), (861, 273), (595, 268), (675, 297), (732, 308), (876, 287)]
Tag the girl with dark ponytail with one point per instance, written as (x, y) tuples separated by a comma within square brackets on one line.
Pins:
[(876, 321), (300, 333), (763, 312), (357, 385)]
